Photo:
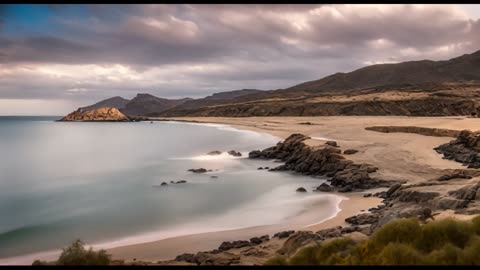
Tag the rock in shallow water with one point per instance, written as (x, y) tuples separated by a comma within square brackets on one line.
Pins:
[(214, 153), (301, 189), (234, 153), (324, 187), (201, 170)]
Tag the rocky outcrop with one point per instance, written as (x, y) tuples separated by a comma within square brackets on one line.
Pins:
[(214, 153), (362, 219), (324, 187), (436, 132), (102, 114), (350, 151), (234, 153), (465, 149), (283, 234), (324, 160), (301, 189), (201, 170)]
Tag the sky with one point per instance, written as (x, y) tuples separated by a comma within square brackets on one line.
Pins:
[(56, 58)]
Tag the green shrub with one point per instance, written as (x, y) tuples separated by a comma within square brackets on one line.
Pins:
[(397, 231), (76, 254), (278, 260), (401, 242), (476, 224), (306, 256), (335, 251), (436, 234), (399, 254), (471, 253)]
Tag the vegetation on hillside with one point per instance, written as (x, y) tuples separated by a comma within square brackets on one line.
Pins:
[(400, 242)]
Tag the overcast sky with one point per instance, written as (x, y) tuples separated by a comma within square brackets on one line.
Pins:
[(56, 58)]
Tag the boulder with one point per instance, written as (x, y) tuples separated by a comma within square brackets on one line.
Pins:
[(330, 232), (283, 234), (256, 240), (180, 182), (221, 259), (350, 152), (362, 219), (298, 240), (185, 257), (201, 170), (324, 187), (301, 189), (214, 153), (331, 143), (163, 184), (392, 189), (234, 153)]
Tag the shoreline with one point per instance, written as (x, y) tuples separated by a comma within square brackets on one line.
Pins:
[(351, 204), (167, 249), (400, 156), (203, 241)]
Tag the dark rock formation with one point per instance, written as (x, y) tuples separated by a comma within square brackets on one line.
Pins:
[(221, 259), (362, 219), (163, 184), (234, 153), (324, 188), (283, 234), (350, 152), (201, 170), (465, 149), (235, 244), (346, 175), (436, 132), (186, 257), (214, 153), (181, 182), (331, 143), (298, 240), (301, 189)]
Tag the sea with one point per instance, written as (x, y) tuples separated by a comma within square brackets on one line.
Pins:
[(101, 183)]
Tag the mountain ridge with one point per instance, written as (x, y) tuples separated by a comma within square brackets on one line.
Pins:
[(417, 88)]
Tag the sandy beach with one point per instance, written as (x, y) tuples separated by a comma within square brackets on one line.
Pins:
[(399, 156)]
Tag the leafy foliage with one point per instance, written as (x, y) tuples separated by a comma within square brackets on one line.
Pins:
[(400, 242), (76, 254)]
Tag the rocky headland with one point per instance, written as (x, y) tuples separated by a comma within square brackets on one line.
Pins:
[(344, 175), (102, 114)]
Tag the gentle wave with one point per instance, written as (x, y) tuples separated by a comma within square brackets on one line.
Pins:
[(224, 127), (222, 156)]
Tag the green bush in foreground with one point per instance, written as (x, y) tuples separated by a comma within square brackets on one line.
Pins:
[(76, 254), (400, 242)]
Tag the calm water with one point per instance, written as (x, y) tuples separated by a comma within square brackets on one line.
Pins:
[(97, 182)]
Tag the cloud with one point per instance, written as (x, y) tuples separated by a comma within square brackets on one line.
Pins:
[(96, 51)]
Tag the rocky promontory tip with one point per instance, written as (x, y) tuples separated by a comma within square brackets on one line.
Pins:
[(102, 114), (344, 174), (465, 149)]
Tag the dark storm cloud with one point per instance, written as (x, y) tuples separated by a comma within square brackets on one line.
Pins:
[(178, 50)]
